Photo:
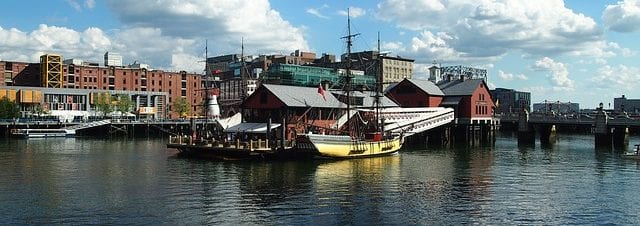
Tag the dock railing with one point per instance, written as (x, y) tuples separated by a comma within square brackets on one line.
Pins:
[(251, 145)]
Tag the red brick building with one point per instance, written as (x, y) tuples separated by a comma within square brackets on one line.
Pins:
[(416, 93), (470, 98), (93, 77)]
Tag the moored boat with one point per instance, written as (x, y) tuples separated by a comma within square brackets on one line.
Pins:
[(42, 133), (635, 154), (351, 143), (344, 146)]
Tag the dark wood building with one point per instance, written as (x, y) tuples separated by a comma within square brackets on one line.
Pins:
[(415, 93)]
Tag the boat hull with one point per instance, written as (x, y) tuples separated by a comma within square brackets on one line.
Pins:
[(632, 155), (344, 147), (230, 153)]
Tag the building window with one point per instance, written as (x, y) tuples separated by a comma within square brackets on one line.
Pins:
[(183, 93)]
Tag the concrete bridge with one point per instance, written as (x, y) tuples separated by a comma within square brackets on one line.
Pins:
[(608, 131)]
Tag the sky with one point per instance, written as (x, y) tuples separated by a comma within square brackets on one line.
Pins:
[(576, 51)]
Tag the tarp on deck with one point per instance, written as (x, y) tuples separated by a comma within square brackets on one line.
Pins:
[(250, 127), (231, 121)]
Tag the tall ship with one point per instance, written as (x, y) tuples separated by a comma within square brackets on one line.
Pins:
[(363, 134)]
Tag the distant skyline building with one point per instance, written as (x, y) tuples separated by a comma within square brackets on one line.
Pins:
[(622, 104), (112, 59), (510, 100), (439, 73)]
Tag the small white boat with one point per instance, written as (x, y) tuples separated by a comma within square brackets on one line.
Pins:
[(635, 154), (42, 133)]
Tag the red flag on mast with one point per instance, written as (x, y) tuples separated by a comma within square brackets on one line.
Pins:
[(321, 92)]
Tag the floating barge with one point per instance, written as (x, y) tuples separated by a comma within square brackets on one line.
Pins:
[(237, 149), (42, 133)]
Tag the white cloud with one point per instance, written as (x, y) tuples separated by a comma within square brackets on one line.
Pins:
[(167, 34), (487, 30), (617, 78), (393, 47), (89, 4), (624, 16), (559, 74), (316, 12), (22, 46), (429, 47), (75, 5), (509, 77), (224, 23), (354, 12)]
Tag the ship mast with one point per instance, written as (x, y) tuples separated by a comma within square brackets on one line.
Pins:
[(378, 89), (348, 77), (243, 81), (207, 75)]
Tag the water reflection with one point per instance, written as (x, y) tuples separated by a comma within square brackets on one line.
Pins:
[(356, 191), (84, 181)]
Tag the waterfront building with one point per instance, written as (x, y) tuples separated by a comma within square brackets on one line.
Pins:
[(67, 103), (470, 99), (556, 107), (87, 76), (622, 104), (415, 93), (393, 69), (510, 100)]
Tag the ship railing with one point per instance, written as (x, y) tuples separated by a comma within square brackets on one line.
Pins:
[(259, 144)]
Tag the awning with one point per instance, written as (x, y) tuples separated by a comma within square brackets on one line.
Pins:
[(250, 127)]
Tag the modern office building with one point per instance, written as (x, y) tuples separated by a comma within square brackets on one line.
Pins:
[(510, 100), (310, 76)]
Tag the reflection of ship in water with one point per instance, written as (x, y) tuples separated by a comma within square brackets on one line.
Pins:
[(276, 182), (368, 168), (357, 187)]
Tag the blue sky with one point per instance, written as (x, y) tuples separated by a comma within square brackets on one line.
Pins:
[(574, 50)]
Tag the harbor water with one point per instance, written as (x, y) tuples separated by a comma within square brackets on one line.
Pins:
[(98, 181)]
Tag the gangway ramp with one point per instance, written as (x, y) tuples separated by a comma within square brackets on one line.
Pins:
[(409, 121), (88, 125)]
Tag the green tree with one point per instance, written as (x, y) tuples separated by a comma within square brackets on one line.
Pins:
[(38, 110), (124, 104), (182, 107), (8, 108), (102, 102)]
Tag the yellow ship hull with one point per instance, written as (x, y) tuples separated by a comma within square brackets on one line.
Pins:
[(344, 147)]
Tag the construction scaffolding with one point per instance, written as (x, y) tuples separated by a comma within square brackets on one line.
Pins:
[(51, 71)]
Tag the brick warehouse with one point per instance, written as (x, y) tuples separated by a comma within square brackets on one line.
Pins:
[(94, 78)]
